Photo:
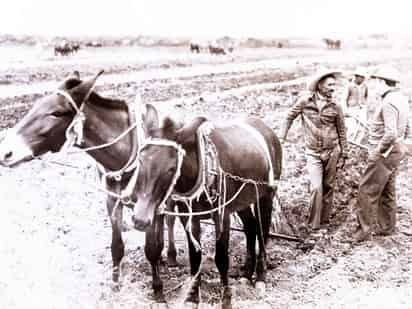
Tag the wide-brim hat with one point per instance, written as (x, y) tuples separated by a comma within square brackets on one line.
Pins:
[(360, 71), (388, 73), (312, 83)]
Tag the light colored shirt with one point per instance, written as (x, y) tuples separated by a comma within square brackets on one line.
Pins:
[(389, 123), (355, 96)]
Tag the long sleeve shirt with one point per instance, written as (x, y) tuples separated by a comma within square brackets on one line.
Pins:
[(323, 128), (390, 122)]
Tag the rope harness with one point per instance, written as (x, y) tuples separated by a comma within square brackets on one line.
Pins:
[(74, 137), (213, 178), (213, 183)]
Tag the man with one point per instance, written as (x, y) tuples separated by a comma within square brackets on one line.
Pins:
[(325, 141), (356, 93), (355, 106), (389, 127)]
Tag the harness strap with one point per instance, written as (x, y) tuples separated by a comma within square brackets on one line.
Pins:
[(68, 98)]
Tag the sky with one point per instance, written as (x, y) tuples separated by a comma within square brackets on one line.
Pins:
[(207, 18)]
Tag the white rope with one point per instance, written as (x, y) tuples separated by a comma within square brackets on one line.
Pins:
[(206, 212), (114, 141)]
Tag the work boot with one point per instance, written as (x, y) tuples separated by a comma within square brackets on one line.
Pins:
[(361, 235), (385, 232)]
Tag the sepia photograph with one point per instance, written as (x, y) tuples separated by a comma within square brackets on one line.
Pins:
[(205, 154)]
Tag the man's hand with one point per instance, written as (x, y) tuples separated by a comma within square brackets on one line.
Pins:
[(374, 156), (342, 162)]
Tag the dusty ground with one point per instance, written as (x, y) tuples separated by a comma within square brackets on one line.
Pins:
[(55, 234)]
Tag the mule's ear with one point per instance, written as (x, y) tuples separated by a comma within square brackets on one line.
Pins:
[(151, 118), (168, 129), (71, 81), (187, 134), (82, 92)]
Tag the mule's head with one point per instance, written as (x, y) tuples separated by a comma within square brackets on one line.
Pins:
[(43, 128), (160, 165)]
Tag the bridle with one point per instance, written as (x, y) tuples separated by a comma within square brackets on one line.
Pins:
[(74, 132), (180, 155), (74, 136)]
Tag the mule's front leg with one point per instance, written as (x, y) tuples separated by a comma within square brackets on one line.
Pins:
[(115, 211), (222, 259), (153, 250), (171, 248), (195, 255)]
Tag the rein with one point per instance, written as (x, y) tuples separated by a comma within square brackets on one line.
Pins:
[(74, 136)]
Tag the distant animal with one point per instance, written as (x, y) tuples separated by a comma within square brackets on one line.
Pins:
[(212, 170), (76, 115), (75, 47), (332, 44), (214, 50), (66, 48), (93, 44), (194, 48)]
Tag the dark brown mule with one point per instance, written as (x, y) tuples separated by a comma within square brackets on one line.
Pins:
[(236, 168), (45, 128)]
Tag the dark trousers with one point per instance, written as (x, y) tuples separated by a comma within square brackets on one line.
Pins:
[(322, 174), (377, 190)]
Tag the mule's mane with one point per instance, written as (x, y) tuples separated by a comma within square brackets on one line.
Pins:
[(95, 98), (109, 103)]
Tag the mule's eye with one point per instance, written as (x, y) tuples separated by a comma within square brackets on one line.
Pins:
[(171, 172), (61, 113)]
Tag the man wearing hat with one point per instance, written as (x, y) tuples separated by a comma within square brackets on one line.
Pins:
[(356, 93), (355, 105), (325, 141), (388, 129)]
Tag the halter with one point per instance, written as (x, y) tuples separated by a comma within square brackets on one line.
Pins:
[(74, 136), (180, 154), (74, 132)]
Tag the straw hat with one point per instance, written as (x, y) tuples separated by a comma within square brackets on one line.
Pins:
[(387, 73), (312, 83), (360, 71)]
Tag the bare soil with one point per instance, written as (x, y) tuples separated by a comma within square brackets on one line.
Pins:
[(55, 234)]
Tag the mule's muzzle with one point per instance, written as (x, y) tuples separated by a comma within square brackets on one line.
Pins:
[(9, 159), (14, 150), (140, 224)]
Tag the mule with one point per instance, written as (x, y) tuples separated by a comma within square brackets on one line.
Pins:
[(52, 122), (215, 50), (194, 48), (212, 171)]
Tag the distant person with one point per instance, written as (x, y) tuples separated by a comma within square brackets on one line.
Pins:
[(356, 93), (325, 141), (355, 106), (389, 127)]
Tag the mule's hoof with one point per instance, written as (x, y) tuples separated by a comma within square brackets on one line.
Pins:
[(159, 306), (244, 281), (172, 262), (116, 287), (260, 289), (189, 305), (226, 302)]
